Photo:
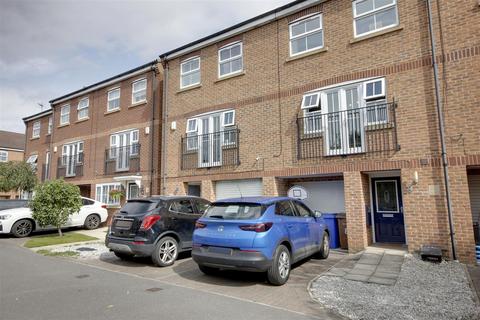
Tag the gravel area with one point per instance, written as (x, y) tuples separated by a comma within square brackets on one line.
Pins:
[(424, 290), (85, 251)]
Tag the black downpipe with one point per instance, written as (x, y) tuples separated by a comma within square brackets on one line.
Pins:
[(442, 131)]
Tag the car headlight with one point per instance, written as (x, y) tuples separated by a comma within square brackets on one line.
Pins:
[(5, 216)]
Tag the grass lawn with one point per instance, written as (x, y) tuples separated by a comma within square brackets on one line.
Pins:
[(49, 239), (58, 254)]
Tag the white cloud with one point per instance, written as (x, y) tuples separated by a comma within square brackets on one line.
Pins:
[(53, 47)]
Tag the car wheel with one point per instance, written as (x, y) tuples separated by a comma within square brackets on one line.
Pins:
[(123, 256), (92, 222), (208, 270), (325, 248), (165, 252), (279, 272), (22, 228)]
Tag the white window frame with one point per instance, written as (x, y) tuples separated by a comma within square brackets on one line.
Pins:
[(220, 61), (224, 124), (50, 125), (100, 195), (64, 114), (195, 126), (47, 165), (81, 108), (134, 92), (303, 20), (192, 132), (3, 156), (182, 74), (114, 141), (36, 129), (311, 118), (109, 99), (382, 94), (372, 12)]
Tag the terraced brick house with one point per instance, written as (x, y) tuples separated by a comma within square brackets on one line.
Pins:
[(12, 147), (334, 102), (104, 137)]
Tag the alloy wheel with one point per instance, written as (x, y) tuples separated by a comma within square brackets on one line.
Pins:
[(24, 228), (284, 264), (92, 222), (168, 251)]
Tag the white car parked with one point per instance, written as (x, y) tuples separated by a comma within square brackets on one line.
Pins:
[(19, 221)]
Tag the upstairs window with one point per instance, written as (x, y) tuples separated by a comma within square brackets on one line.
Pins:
[(82, 109), (139, 91), (50, 125), (190, 72), (230, 59), (229, 132), (65, 115), (3, 156), (113, 97), (311, 110), (192, 131), (36, 129), (32, 160), (374, 94), (374, 15), (306, 35)]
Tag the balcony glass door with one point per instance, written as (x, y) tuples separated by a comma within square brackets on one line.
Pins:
[(210, 143), (69, 156), (123, 156), (343, 120)]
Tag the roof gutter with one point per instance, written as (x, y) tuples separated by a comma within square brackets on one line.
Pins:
[(240, 28), (101, 85), (441, 126)]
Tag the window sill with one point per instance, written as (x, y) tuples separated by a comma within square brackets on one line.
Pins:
[(307, 54), (34, 138), (64, 125), (111, 111), (376, 34), (82, 120), (238, 74), (133, 105), (189, 88)]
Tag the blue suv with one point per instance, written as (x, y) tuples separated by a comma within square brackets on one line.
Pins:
[(262, 234)]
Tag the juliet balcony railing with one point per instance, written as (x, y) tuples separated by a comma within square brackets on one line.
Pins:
[(122, 159), (70, 166), (353, 131), (216, 149)]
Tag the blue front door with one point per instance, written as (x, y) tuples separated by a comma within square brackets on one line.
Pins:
[(388, 210)]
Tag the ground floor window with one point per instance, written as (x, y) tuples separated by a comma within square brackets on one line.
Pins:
[(103, 193)]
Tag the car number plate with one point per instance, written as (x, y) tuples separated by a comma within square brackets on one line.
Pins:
[(123, 224), (220, 250)]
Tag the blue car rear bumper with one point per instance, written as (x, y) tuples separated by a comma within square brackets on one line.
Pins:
[(232, 259)]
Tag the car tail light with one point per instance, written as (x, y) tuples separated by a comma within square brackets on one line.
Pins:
[(199, 225), (259, 227), (104, 206), (149, 221)]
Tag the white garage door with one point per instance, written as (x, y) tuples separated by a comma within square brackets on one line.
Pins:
[(325, 196), (238, 188)]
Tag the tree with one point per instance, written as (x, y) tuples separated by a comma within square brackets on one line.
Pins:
[(54, 202), (17, 176)]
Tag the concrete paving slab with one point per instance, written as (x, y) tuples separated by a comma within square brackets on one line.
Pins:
[(357, 277), (365, 266), (384, 281), (386, 275), (361, 272)]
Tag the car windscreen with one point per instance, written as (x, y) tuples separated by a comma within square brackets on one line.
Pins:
[(234, 211), (135, 207)]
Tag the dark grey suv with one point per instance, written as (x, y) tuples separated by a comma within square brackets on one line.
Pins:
[(159, 227)]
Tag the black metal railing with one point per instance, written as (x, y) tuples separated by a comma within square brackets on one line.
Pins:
[(214, 149), (70, 166), (360, 130), (122, 159)]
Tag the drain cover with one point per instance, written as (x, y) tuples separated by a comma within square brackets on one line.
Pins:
[(86, 249), (153, 289)]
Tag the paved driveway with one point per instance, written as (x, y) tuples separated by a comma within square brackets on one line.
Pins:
[(293, 296)]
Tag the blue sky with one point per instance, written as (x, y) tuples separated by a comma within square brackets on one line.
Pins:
[(49, 48)]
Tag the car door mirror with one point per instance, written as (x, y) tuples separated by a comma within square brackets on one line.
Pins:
[(317, 214)]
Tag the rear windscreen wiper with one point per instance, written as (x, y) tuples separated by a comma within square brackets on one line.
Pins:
[(216, 216)]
